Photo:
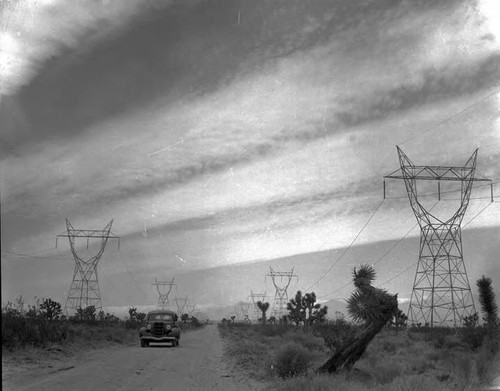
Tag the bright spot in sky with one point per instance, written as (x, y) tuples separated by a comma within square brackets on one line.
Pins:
[(8, 51), (491, 11)]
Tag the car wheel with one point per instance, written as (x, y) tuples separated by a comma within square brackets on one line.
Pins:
[(143, 343), (177, 342)]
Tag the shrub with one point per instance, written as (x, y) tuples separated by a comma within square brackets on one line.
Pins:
[(385, 373), (271, 330), (472, 335), (35, 330), (389, 346), (136, 319), (336, 333), (309, 341), (195, 322), (292, 360)]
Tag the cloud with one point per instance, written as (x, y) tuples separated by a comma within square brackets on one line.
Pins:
[(34, 32), (275, 134)]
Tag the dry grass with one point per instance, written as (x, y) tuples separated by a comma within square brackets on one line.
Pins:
[(393, 361)]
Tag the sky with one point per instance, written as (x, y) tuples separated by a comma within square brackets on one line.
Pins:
[(223, 133)]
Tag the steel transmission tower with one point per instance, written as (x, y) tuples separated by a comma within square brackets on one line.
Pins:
[(191, 309), (181, 303), (256, 297), (245, 307), (163, 288), (281, 295), (441, 292), (84, 289)]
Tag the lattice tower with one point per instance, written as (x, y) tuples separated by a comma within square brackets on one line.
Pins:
[(281, 295), (84, 290), (256, 297), (181, 303), (191, 309), (441, 292), (164, 288), (244, 309)]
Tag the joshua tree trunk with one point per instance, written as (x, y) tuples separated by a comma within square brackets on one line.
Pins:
[(375, 307), (349, 354)]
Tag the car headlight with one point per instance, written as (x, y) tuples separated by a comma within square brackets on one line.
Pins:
[(148, 326), (168, 327)]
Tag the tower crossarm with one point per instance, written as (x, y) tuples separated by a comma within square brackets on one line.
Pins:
[(440, 173), (72, 233), (88, 233)]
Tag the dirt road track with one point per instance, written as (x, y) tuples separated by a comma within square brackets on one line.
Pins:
[(195, 365)]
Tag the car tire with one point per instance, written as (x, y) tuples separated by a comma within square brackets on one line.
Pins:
[(143, 343)]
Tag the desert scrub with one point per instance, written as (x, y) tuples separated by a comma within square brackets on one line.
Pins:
[(291, 360), (19, 330), (336, 333), (308, 340), (312, 382)]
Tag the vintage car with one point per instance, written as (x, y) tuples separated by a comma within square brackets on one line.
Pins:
[(161, 326)]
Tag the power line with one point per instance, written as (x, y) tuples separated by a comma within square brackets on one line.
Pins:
[(402, 238), (481, 211), (131, 275), (347, 248), (403, 271), (29, 256), (467, 108), (380, 258)]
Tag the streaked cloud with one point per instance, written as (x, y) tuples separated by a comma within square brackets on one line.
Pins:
[(223, 143), (34, 31)]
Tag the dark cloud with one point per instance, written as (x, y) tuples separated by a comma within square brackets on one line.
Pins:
[(171, 53), (284, 213), (436, 87)]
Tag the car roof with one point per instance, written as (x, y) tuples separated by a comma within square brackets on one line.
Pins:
[(170, 312)]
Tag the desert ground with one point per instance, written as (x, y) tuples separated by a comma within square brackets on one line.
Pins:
[(197, 364)]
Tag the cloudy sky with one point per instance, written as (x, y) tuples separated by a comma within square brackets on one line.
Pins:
[(223, 132)]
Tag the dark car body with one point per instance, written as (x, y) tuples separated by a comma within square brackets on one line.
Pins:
[(161, 326)]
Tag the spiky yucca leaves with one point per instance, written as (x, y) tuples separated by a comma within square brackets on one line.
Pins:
[(490, 309), (487, 299), (363, 277), (367, 303)]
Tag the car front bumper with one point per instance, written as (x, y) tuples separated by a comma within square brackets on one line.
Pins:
[(150, 338)]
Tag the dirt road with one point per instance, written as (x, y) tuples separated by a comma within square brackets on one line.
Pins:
[(196, 364)]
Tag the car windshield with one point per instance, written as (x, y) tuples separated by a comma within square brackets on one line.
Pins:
[(161, 317)]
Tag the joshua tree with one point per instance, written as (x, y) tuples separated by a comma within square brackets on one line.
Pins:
[(263, 307), (400, 320), (50, 309), (303, 308), (374, 307), (490, 309), (319, 314), (296, 310)]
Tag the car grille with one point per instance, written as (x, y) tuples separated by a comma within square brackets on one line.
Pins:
[(157, 329)]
